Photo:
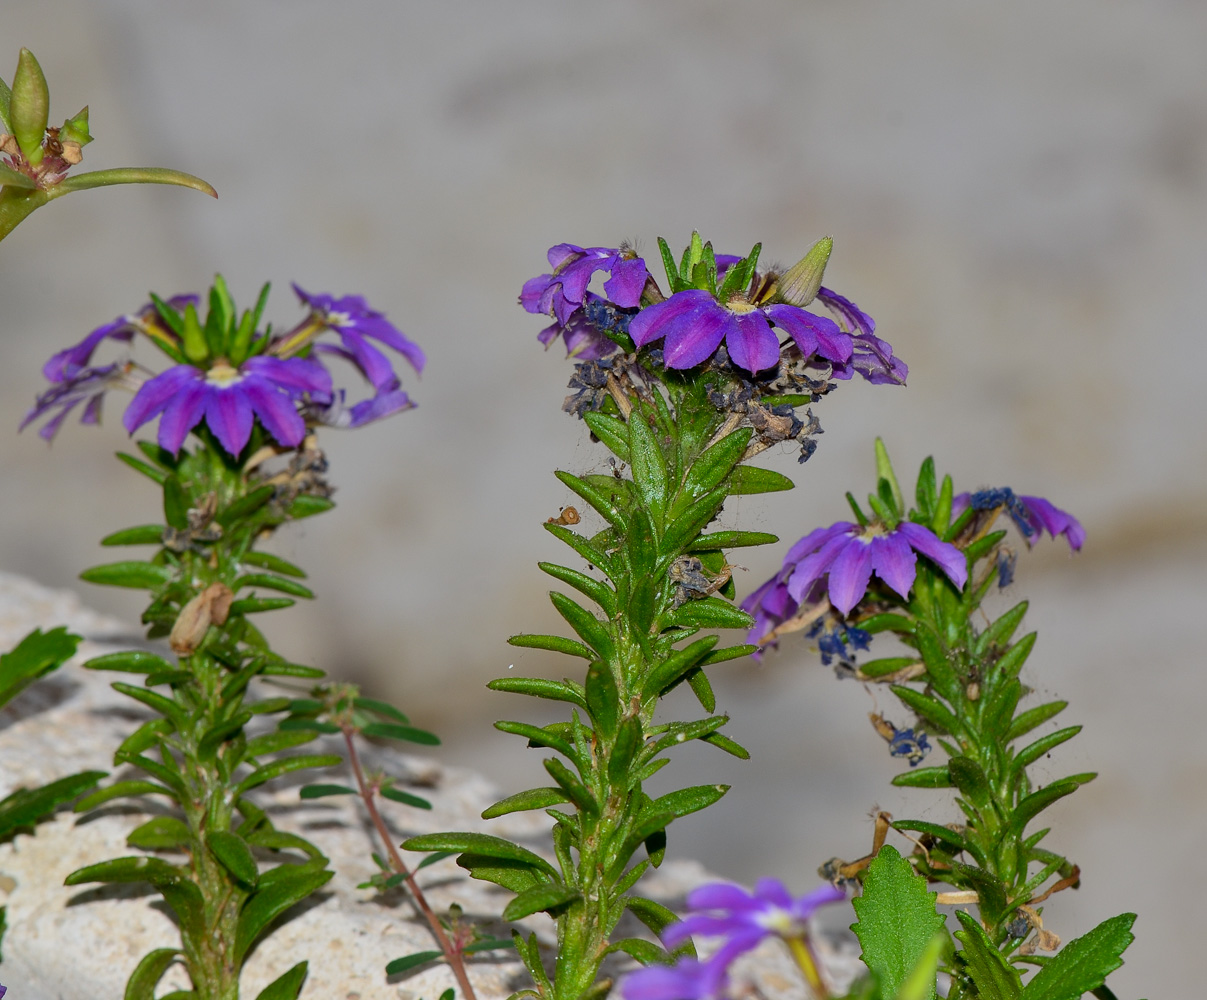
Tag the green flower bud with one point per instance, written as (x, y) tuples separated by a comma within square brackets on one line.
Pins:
[(799, 284), (195, 347), (29, 108), (76, 129)]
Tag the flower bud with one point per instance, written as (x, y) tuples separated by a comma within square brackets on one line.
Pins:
[(799, 284), (29, 107), (76, 129)]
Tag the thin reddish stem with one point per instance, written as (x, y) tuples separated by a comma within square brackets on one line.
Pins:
[(452, 953)]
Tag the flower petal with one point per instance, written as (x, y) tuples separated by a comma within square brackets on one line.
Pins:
[(751, 344), (893, 560), (944, 555), (814, 540), (228, 412), (850, 574), (182, 413), (814, 565), (651, 323), (156, 393), (1055, 521), (812, 334), (276, 410), (627, 282), (693, 337)]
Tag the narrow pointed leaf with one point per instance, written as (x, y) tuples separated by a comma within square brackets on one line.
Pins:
[(1083, 964), (132, 175), (540, 898), (286, 986)]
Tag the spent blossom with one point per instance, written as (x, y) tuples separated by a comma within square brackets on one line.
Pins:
[(1031, 515), (564, 291)]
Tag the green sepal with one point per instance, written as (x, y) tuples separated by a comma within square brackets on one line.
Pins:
[(284, 766), (149, 971), (122, 789), (885, 474), (1083, 964), (144, 534), (897, 919), (746, 480), (611, 431), (29, 106), (926, 492), (941, 523), (28, 806), (133, 573), (233, 854), (540, 687), (673, 279), (163, 833), (600, 593), (993, 976), (1033, 717), (280, 889), (924, 777), (408, 734), (6, 96), (480, 844), (36, 655), (739, 275), (286, 986), (540, 898), (533, 798), (138, 465)]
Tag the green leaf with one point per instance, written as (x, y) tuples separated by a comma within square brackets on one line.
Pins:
[(993, 976), (481, 844), (134, 661), (953, 840), (1033, 751), (173, 883), (688, 800), (393, 731), (406, 798), (728, 653), (716, 462), (27, 806), (131, 175), (556, 643), (927, 708), (292, 885), (308, 506), (175, 503), (646, 952), (897, 920), (731, 747), (942, 674), (539, 687), (547, 897), (232, 852), (630, 737), (1036, 802), (671, 670), (600, 593), (719, 540), (284, 669), (165, 706), (1014, 658), (548, 736), (138, 465), (885, 665), (684, 528), (697, 680), (1031, 718), (381, 708), (657, 918), (121, 789), (590, 552), (924, 777), (588, 627), (146, 735), (990, 889), (250, 605), (749, 479), (286, 986), (34, 656), (574, 789), (15, 179), (149, 972), (514, 875), (967, 775), (163, 833), (603, 699), (144, 534), (284, 585), (266, 560), (1083, 964), (132, 573), (601, 502), (408, 962), (323, 791), (246, 505), (266, 743), (611, 431), (284, 766), (709, 612)]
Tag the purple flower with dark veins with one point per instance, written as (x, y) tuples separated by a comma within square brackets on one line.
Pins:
[(692, 324), (559, 294), (870, 356), (850, 555), (351, 318), (1031, 515), (229, 399)]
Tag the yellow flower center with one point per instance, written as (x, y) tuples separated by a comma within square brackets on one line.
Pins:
[(222, 375), (740, 306)]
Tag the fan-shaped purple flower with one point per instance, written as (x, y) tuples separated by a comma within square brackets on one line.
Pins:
[(1031, 515), (229, 399), (870, 356), (560, 293)]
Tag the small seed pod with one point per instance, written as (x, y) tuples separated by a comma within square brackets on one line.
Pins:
[(568, 515)]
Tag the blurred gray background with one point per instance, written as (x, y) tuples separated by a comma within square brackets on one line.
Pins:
[(1018, 194)]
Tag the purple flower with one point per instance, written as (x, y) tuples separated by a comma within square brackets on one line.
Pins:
[(560, 293), (688, 979), (70, 362), (850, 554), (351, 318), (337, 413), (870, 356), (228, 399), (1031, 515), (68, 392), (692, 324)]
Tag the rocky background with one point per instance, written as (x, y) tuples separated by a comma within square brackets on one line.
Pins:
[(1017, 194)]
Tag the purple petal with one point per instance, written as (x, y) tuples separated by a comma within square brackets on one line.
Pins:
[(69, 362), (374, 365), (182, 413), (375, 325), (558, 255), (295, 375), (894, 562), (809, 903), (533, 293), (959, 504), (720, 896), (92, 412), (575, 277), (751, 344), (276, 410), (944, 555), (773, 891), (651, 323), (850, 574), (688, 979), (855, 320), (813, 334), (156, 393), (1055, 521), (381, 405), (693, 337), (228, 412), (815, 539), (811, 568), (627, 282)]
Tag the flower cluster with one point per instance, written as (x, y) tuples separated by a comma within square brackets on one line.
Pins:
[(719, 309), (743, 919), (228, 375)]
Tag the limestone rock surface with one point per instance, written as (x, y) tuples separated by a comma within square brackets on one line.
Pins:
[(81, 943)]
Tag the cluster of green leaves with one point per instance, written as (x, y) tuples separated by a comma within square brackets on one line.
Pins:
[(210, 743), (969, 695), (656, 560), (904, 941), (223, 334), (25, 114)]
